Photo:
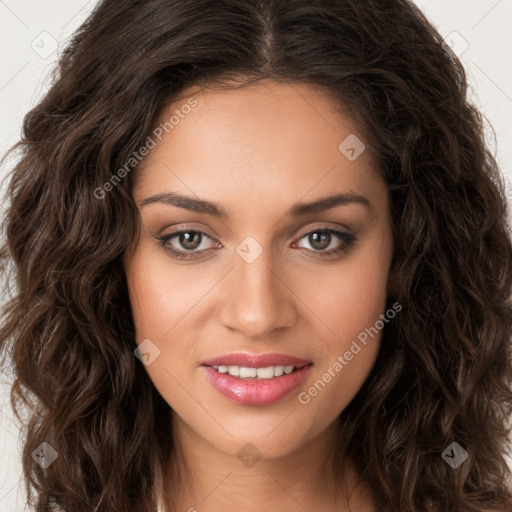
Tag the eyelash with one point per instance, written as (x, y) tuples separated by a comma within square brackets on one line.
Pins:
[(347, 239)]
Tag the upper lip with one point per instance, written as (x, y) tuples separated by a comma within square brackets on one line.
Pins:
[(255, 360)]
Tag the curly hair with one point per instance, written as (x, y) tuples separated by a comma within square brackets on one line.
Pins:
[(444, 369)]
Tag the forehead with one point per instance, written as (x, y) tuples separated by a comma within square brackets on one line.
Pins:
[(263, 143)]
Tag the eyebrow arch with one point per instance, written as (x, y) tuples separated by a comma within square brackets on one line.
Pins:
[(215, 209)]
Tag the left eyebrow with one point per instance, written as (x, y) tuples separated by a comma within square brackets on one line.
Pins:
[(326, 203), (215, 209)]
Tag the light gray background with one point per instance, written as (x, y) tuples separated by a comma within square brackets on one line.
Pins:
[(478, 30)]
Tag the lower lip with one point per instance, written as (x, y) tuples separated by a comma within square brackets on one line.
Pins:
[(256, 391)]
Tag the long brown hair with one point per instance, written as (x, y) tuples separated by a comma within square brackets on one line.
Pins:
[(444, 371)]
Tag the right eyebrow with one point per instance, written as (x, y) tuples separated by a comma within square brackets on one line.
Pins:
[(188, 203)]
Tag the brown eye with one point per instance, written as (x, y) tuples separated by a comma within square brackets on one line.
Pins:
[(320, 239), (184, 244), (189, 242)]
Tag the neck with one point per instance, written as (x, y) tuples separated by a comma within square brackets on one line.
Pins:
[(202, 477)]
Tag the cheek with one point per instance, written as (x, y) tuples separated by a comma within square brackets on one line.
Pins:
[(161, 294), (157, 310), (347, 356), (165, 299), (351, 307), (351, 298)]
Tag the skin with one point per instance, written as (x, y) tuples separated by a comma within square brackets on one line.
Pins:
[(256, 151)]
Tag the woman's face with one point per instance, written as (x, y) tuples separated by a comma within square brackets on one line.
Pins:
[(260, 273)]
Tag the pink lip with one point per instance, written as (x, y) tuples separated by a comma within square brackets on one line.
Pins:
[(255, 360), (254, 391)]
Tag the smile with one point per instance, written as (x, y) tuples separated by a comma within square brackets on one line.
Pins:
[(256, 386), (245, 372)]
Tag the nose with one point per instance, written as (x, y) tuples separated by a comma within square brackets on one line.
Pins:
[(257, 298)]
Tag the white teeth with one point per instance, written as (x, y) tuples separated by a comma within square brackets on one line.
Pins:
[(234, 370), (247, 372), (243, 372), (265, 373)]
